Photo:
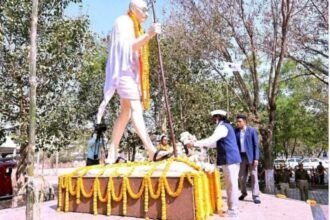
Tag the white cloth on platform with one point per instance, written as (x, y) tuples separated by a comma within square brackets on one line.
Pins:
[(122, 67), (176, 169)]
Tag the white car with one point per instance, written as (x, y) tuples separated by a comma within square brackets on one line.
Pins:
[(310, 163), (292, 162)]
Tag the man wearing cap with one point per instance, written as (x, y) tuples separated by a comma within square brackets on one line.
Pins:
[(224, 140), (247, 141)]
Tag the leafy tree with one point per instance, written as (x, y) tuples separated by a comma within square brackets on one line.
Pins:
[(302, 116), (61, 47), (239, 31), (193, 89)]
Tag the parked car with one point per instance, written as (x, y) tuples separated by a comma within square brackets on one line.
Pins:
[(292, 162), (6, 167), (310, 163), (278, 162)]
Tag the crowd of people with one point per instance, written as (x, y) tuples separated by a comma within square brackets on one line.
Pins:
[(299, 177)]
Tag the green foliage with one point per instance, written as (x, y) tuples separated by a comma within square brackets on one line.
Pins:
[(62, 44), (193, 89), (302, 113)]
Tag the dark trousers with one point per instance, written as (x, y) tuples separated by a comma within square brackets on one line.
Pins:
[(246, 168), (91, 162), (321, 179), (303, 189)]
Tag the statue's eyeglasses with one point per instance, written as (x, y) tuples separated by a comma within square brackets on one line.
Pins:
[(144, 10)]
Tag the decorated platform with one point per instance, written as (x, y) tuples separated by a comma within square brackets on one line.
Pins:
[(167, 189)]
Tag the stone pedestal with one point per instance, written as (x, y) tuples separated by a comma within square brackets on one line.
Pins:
[(181, 207)]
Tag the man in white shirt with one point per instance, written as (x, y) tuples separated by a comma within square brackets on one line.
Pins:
[(224, 140)]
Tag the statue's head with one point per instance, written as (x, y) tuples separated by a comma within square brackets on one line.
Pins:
[(140, 9)]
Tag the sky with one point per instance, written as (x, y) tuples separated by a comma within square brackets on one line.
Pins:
[(102, 13)]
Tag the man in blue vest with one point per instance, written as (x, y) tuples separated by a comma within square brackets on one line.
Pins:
[(247, 140), (228, 157)]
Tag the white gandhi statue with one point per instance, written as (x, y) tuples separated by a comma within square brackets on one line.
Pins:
[(127, 74)]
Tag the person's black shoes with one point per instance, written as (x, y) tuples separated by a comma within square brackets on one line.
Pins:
[(256, 200), (242, 197)]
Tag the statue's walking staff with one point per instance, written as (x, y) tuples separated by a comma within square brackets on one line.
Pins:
[(168, 111)]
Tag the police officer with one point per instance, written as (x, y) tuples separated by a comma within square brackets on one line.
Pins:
[(302, 179), (283, 178), (320, 173)]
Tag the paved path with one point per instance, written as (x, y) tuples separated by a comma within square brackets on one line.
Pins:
[(271, 208), (321, 196)]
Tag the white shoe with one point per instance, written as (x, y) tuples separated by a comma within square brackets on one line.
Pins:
[(231, 213)]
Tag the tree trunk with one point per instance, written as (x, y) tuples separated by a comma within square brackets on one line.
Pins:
[(294, 147), (269, 181), (267, 134), (57, 157), (320, 152), (133, 153), (30, 199), (38, 162), (14, 201), (286, 149), (43, 163)]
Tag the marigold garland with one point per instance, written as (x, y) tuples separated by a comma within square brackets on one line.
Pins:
[(124, 191), (178, 191), (95, 196), (71, 189), (201, 195), (66, 206), (146, 199), (212, 191), (163, 198), (109, 197), (154, 195), (197, 200), (131, 193), (82, 189), (78, 192), (99, 193), (113, 193), (144, 63), (207, 192)]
